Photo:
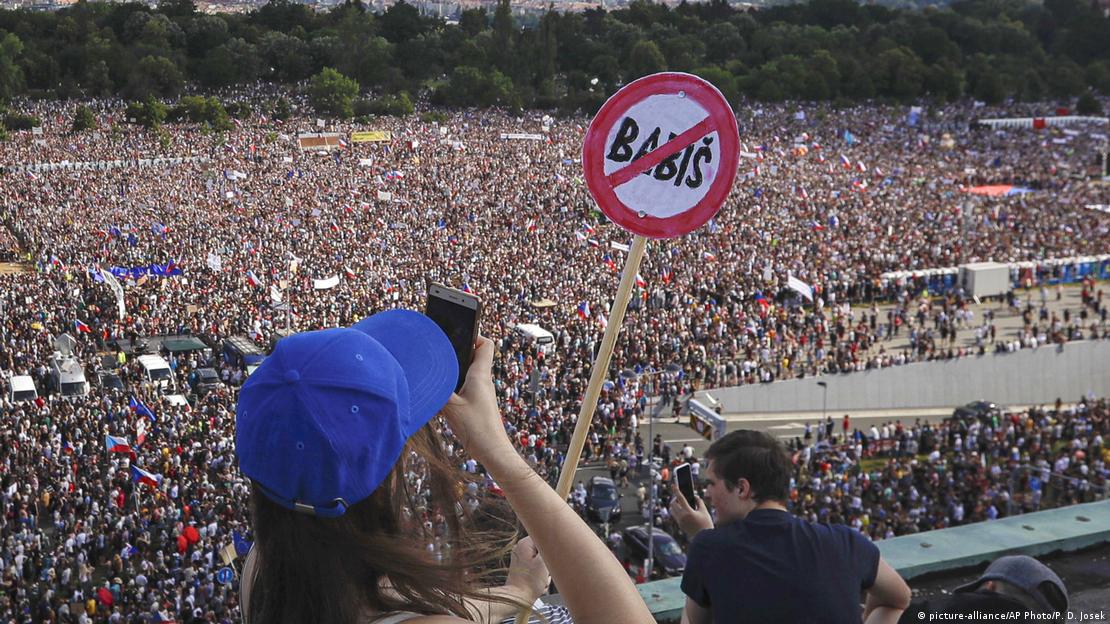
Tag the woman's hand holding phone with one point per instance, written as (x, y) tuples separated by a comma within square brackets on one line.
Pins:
[(473, 413)]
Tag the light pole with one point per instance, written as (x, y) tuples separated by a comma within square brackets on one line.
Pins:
[(824, 401), (629, 375)]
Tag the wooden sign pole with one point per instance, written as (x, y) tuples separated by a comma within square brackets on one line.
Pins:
[(601, 365)]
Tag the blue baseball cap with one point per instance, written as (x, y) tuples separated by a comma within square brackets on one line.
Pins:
[(322, 421)]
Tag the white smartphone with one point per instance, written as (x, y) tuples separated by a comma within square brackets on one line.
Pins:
[(457, 313)]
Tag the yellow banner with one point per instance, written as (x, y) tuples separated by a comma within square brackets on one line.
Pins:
[(371, 136)]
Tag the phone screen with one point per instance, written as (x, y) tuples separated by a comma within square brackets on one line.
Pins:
[(685, 481), (460, 324)]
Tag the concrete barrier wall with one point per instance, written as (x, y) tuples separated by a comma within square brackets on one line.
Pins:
[(1029, 376)]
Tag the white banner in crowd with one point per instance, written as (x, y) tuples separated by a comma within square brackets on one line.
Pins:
[(116, 289), (107, 164), (215, 262), (800, 287), (325, 284), (522, 136)]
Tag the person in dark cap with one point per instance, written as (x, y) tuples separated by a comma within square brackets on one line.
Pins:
[(1012, 584)]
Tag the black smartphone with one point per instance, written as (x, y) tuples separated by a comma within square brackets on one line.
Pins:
[(685, 480), (457, 314)]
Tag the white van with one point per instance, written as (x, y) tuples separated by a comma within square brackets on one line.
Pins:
[(22, 389), (156, 371), (68, 376), (543, 338)]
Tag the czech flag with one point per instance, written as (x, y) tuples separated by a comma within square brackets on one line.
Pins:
[(253, 280), (666, 275), (140, 409), (584, 310), (138, 475), (587, 228), (640, 281), (845, 161), (81, 327), (608, 260), (116, 445), (466, 288), (708, 257)]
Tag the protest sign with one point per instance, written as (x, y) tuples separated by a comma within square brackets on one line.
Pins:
[(661, 155), (659, 159), (371, 136)]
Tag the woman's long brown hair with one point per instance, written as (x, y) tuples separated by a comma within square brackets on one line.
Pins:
[(315, 570)]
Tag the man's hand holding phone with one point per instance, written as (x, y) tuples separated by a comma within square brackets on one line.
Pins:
[(690, 520)]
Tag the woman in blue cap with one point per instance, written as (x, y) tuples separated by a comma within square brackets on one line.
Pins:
[(333, 427)]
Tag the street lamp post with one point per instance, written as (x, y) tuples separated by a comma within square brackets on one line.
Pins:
[(824, 401), (629, 375)]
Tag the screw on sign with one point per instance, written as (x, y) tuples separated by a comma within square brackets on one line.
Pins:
[(661, 155)]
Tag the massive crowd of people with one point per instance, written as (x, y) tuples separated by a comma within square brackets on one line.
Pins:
[(450, 201)]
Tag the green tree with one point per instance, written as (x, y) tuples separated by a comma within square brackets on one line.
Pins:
[(11, 77), (83, 119), (149, 113), (1088, 104), (198, 109), (723, 80), (155, 76), (473, 21), (899, 73), (645, 58), (332, 93), (402, 22), (504, 30)]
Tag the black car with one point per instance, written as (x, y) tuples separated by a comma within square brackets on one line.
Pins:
[(206, 380), (982, 411), (602, 495), (669, 558), (109, 381)]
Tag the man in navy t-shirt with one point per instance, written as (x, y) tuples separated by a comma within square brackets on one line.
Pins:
[(763, 564)]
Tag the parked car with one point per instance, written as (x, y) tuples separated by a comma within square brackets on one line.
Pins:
[(108, 380), (67, 376), (978, 410), (204, 380), (669, 558), (602, 495), (22, 388)]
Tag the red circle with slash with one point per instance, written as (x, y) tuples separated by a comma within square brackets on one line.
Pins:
[(614, 156)]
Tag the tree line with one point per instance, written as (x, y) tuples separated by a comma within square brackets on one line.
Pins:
[(819, 50)]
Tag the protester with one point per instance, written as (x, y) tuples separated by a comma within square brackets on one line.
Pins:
[(326, 430), (1015, 584), (764, 564)]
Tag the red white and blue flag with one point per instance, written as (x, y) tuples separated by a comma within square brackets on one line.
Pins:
[(845, 161), (584, 310), (138, 475), (116, 445), (640, 281), (666, 275), (608, 261), (81, 327), (253, 280), (708, 257)]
